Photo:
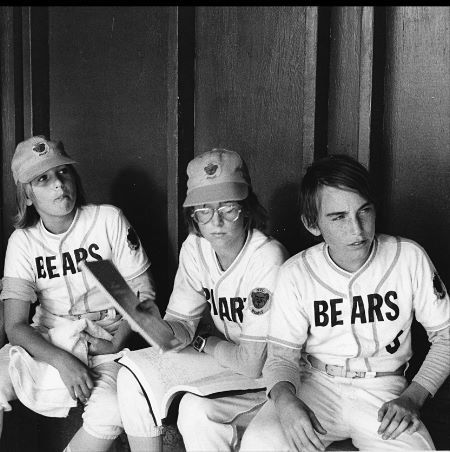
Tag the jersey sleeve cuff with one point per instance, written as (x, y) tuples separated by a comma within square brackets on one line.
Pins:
[(425, 383), (18, 289)]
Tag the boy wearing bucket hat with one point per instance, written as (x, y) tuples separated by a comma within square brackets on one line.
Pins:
[(227, 266), (68, 352)]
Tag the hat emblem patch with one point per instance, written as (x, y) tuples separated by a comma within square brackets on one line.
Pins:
[(211, 170), (41, 148)]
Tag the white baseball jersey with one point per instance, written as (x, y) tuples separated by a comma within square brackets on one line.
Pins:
[(41, 265), (360, 320), (238, 298)]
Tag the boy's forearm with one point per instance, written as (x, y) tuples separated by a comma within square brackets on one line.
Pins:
[(416, 393), (2, 326), (435, 368), (280, 390), (121, 336), (38, 347)]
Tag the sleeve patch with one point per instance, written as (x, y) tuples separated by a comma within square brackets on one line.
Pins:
[(132, 239), (260, 300), (438, 285)]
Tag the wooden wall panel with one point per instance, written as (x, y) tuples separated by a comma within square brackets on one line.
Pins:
[(255, 78), (417, 129), (349, 104), (108, 103)]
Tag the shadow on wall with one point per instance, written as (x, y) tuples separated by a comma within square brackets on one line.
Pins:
[(285, 222), (144, 205)]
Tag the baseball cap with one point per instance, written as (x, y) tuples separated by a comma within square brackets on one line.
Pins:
[(35, 156), (216, 176)]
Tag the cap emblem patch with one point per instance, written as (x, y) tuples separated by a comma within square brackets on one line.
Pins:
[(438, 285), (259, 301), (41, 148), (211, 170)]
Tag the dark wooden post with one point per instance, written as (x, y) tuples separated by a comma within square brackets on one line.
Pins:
[(351, 81)]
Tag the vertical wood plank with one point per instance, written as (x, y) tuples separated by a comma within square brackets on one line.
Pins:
[(36, 96), (172, 139), (351, 81), (255, 94), (365, 84), (27, 72), (11, 113), (309, 86), (417, 129), (108, 104)]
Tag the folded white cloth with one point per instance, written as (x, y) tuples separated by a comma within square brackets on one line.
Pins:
[(38, 385)]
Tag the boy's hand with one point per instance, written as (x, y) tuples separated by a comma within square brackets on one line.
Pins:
[(97, 346), (299, 422), (402, 414), (77, 377), (397, 416)]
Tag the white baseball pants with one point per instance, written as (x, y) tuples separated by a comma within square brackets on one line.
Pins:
[(206, 423), (101, 417), (346, 408)]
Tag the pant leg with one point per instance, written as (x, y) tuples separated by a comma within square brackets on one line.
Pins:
[(265, 432), (101, 416), (213, 423), (135, 411), (7, 393), (368, 396), (322, 394)]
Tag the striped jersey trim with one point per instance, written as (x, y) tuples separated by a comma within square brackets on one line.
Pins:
[(183, 316), (244, 337), (318, 279), (275, 340)]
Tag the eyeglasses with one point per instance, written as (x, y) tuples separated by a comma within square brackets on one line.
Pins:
[(204, 215)]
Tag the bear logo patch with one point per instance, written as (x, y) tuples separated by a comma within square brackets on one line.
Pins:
[(211, 170), (41, 148), (132, 239), (260, 299), (438, 285)]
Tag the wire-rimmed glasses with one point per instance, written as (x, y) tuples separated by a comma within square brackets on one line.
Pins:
[(229, 213)]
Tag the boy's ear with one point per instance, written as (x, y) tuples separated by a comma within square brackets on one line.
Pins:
[(314, 230)]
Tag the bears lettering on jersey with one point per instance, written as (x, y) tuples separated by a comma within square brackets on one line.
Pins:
[(46, 268), (227, 308), (379, 308)]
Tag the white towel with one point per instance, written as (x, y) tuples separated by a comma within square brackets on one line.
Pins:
[(38, 385)]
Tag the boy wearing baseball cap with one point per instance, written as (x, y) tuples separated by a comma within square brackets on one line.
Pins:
[(227, 266), (68, 352), (340, 329)]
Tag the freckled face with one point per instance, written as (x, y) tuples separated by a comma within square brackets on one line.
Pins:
[(53, 195), (346, 222)]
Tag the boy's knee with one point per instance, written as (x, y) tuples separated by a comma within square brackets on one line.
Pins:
[(134, 409), (101, 417), (127, 386), (264, 433), (189, 404)]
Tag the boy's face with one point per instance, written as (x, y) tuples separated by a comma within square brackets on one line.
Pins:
[(53, 195), (346, 222)]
